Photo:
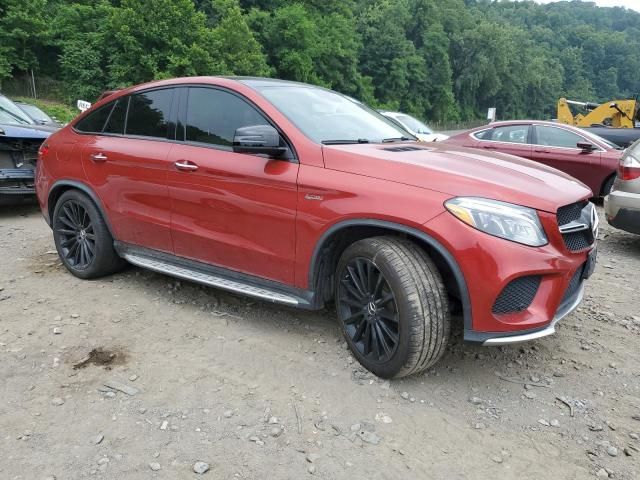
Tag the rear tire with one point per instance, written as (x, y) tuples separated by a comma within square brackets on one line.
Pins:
[(392, 306), (82, 238)]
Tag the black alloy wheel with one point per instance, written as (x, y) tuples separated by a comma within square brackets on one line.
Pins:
[(392, 306), (76, 235), (82, 238), (368, 310)]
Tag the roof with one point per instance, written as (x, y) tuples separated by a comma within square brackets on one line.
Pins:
[(270, 82), (516, 122)]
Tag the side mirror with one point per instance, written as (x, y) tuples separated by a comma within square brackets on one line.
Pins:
[(586, 147), (258, 139)]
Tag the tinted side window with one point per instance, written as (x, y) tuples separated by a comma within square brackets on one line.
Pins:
[(557, 137), (115, 124), (94, 122), (510, 134), (150, 113), (483, 135), (214, 115)]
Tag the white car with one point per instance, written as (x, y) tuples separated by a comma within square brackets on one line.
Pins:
[(415, 127)]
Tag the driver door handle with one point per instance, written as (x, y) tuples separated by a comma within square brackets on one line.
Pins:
[(186, 166), (98, 157)]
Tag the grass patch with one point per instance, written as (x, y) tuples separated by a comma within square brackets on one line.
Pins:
[(62, 112)]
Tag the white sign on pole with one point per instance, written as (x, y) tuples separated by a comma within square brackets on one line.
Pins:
[(491, 114), (83, 105)]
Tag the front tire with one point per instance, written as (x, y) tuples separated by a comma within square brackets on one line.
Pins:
[(82, 238), (392, 306)]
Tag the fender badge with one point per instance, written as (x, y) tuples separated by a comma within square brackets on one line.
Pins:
[(308, 196)]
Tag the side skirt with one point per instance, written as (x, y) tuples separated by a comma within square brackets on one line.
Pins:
[(217, 277)]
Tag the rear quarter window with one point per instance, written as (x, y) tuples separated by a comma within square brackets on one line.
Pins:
[(94, 121), (483, 135)]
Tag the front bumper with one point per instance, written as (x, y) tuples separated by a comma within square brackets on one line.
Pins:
[(563, 311), (490, 264), (622, 210)]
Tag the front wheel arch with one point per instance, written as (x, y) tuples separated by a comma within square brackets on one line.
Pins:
[(373, 227)]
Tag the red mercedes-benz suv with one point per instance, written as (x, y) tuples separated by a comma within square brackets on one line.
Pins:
[(299, 195)]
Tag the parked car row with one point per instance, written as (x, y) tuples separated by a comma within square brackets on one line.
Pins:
[(20, 137), (298, 195)]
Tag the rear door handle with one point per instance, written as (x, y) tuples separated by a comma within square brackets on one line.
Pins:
[(98, 157), (493, 147), (541, 150), (186, 166)]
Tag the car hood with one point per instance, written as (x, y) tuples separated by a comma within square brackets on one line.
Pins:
[(26, 131), (459, 171)]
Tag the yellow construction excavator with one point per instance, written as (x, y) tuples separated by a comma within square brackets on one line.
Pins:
[(609, 119)]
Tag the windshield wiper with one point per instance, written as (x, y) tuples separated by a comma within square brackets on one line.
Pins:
[(396, 139), (345, 142)]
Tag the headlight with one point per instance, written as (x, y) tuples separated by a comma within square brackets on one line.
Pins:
[(500, 219)]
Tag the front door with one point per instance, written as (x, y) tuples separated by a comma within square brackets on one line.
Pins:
[(228, 209), (128, 169)]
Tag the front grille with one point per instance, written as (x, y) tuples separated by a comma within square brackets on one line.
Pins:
[(517, 295), (576, 212), (578, 240), (570, 213), (574, 286)]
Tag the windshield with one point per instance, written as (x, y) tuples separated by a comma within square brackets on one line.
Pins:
[(11, 113), (414, 124), (328, 117), (35, 113)]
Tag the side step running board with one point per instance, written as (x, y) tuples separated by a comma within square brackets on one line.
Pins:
[(213, 280)]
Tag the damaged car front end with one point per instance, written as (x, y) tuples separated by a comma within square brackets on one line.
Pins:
[(20, 139)]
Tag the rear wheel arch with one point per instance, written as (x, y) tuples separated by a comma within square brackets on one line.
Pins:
[(62, 186), (341, 235), (607, 184)]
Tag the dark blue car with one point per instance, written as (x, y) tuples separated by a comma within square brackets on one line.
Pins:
[(20, 138)]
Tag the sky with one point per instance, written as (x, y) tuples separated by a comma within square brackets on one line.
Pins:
[(632, 4)]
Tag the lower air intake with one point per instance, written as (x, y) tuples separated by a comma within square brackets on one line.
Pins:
[(517, 295)]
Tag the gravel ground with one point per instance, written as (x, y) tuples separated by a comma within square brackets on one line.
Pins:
[(141, 376)]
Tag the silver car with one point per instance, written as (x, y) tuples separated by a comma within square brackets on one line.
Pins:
[(622, 205)]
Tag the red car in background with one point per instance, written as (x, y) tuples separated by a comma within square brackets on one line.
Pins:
[(587, 157)]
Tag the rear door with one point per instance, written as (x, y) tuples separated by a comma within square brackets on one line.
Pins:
[(126, 164), (230, 209), (558, 148), (511, 139)]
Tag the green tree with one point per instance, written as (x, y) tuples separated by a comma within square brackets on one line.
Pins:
[(156, 39), (23, 30), (234, 47)]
